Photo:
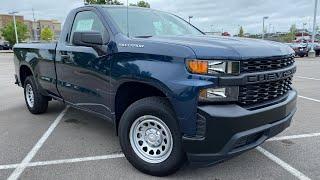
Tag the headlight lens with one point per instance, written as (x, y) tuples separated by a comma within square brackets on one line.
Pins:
[(213, 67), (224, 94)]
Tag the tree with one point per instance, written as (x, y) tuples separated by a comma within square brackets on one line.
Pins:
[(47, 34), (110, 2), (241, 32), (293, 29), (9, 34), (143, 4), (292, 34)]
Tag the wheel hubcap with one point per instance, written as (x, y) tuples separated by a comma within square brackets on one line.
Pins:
[(29, 95), (151, 139)]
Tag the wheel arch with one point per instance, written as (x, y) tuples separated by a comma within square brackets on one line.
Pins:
[(24, 72), (129, 92)]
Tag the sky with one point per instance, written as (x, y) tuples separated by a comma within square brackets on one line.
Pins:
[(208, 15)]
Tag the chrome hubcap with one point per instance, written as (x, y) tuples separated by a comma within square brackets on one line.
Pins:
[(151, 139), (29, 95)]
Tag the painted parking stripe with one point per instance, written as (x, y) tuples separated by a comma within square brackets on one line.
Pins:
[(310, 78), (294, 137), (311, 99), (283, 164), (121, 155), (65, 161), (20, 168), (9, 166)]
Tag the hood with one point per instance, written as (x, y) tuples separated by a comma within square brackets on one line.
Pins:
[(206, 47)]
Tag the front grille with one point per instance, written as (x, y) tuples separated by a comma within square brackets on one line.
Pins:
[(265, 64), (262, 92)]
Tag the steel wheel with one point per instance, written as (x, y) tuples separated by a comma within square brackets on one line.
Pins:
[(29, 95), (151, 139)]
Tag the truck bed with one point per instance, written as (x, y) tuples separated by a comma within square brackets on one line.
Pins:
[(40, 57)]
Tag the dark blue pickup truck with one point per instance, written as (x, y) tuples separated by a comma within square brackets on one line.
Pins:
[(173, 94)]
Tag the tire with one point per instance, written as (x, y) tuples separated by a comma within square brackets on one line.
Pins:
[(39, 104), (150, 110)]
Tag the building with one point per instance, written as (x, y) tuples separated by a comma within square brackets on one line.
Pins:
[(32, 29), (5, 19), (35, 28), (56, 29)]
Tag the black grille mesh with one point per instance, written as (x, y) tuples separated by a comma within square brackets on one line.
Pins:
[(262, 92), (259, 65)]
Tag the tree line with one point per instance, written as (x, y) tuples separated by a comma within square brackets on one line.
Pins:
[(8, 33), (288, 37)]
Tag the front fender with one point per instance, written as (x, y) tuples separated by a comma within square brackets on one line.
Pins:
[(170, 77)]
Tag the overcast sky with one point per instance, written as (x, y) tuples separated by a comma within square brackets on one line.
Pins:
[(216, 15)]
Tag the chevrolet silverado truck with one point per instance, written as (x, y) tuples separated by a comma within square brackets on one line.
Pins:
[(174, 94)]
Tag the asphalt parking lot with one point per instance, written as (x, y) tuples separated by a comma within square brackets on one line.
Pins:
[(66, 143)]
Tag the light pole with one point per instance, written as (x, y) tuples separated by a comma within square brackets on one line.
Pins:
[(190, 17), (35, 36), (303, 30), (15, 25), (263, 29), (312, 53)]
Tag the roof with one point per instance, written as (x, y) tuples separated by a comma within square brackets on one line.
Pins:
[(118, 6)]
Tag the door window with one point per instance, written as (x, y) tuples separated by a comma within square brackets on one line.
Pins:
[(87, 21)]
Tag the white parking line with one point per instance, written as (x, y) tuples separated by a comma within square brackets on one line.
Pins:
[(20, 168), (8, 166), (64, 161), (310, 78), (283, 164), (311, 99), (294, 137), (121, 155)]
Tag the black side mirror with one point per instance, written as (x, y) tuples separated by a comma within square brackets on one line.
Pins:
[(90, 38)]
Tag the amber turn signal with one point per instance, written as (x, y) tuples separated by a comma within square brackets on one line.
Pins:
[(197, 66)]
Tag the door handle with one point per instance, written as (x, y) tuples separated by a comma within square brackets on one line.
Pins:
[(65, 56), (66, 59)]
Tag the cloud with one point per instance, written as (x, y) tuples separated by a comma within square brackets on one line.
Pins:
[(208, 14)]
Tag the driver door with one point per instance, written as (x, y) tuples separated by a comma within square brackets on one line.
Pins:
[(83, 72)]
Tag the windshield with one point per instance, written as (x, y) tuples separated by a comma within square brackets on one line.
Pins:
[(147, 22)]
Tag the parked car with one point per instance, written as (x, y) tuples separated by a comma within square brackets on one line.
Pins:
[(300, 49), (172, 93), (5, 46), (316, 47)]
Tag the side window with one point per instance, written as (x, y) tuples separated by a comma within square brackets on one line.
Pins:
[(87, 21)]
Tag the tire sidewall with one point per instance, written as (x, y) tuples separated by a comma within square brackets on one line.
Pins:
[(175, 159), (40, 103)]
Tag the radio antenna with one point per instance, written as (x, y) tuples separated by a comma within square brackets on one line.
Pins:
[(128, 18)]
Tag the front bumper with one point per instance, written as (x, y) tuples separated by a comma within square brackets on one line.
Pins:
[(229, 130)]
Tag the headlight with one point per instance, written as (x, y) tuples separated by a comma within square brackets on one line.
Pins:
[(213, 67), (225, 94)]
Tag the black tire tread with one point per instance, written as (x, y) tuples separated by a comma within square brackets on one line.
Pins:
[(40, 102), (177, 157)]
